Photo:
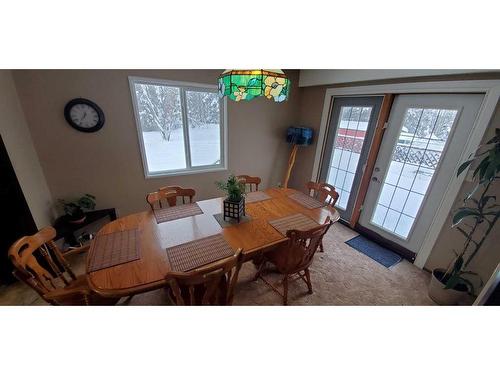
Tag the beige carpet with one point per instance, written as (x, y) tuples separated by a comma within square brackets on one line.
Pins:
[(340, 276)]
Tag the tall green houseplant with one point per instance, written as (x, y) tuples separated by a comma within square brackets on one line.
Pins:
[(477, 216)]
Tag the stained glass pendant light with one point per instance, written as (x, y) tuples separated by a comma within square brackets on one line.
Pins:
[(248, 84)]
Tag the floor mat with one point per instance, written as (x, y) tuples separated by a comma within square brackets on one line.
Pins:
[(378, 253)]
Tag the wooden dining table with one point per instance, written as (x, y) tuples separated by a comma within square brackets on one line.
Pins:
[(151, 271)]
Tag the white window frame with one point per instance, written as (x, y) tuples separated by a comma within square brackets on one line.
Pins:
[(183, 86)]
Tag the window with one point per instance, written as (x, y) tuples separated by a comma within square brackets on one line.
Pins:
[(180, 126)]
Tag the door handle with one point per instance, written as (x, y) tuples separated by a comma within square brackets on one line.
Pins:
[(375, 179), (377, 169)]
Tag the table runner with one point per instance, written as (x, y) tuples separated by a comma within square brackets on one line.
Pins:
[(296, 221), (256, 196), (177, 212), (116, 248), (197, 253), (306, 200)]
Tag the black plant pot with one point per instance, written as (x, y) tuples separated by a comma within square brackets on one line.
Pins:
[(234, 209), (78, 217)]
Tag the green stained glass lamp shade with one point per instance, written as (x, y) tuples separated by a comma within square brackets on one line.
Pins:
[(248, 84)]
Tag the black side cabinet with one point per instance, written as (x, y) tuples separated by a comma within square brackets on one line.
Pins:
[(66, 230)]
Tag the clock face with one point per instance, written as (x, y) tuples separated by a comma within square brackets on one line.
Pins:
[(84, 115)]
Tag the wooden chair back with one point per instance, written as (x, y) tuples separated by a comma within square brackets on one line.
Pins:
[(167, 196), (210, 285), (39, 263), (250, 181), (323, 192), (297, 254)]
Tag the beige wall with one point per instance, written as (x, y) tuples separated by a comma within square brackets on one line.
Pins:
[(19, 145), (312, 99), (108, 163)]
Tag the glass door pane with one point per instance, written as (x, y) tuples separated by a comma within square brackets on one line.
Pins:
[(349, 141), (352, 124), (420, 144)]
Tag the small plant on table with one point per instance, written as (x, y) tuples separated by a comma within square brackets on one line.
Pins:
[(234, 204)]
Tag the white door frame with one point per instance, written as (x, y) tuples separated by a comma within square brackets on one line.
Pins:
[(491, 91)]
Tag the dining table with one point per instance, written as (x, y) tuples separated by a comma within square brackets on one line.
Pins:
[(254, 236)]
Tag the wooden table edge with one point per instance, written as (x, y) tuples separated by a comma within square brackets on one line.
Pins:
[(127, 292)]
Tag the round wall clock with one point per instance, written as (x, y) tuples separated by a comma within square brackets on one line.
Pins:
[(84, 115)]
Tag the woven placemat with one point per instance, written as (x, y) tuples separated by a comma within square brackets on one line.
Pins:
[(197, 253), (296, 221), (116, 248), (306, 200), (177, 212), (256, 196)]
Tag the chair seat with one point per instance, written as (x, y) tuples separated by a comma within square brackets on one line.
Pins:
[(294, 257), (80, 284), (78, 292)]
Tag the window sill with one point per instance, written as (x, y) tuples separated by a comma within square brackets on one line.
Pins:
[(184, 172)]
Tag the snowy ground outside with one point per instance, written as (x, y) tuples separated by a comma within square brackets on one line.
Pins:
[(164, 155), (400, 200), (401, 196)]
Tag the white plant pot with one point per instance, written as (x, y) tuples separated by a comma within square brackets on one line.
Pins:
[(442, 296)]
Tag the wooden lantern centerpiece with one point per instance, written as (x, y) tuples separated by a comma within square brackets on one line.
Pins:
[(234, 204), (234, 209)]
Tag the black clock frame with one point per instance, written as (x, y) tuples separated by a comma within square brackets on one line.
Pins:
[(100, 114)]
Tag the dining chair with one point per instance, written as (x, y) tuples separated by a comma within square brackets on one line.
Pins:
[(167, 196), (40, 264), (325, 193), (208, 285), (294, 257), (250, 181)]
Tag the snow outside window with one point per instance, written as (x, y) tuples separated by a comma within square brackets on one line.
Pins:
[(180, 126)]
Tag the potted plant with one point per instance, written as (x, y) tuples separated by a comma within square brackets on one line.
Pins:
[(475, 220), (74, 210), (234, 204)]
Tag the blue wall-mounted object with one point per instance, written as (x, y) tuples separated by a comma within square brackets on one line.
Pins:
[(299, 136)]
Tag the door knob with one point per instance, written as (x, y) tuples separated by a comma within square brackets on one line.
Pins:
[(377, 169), (375, 179)]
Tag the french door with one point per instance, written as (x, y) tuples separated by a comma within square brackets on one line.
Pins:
[(350, 132), (417, 160)]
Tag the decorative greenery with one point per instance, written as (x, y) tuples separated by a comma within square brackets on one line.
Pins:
[(234, 188), (477, 216), (75, 209)]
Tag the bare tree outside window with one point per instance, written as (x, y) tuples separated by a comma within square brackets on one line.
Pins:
[(181, 126), (159, 108)]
